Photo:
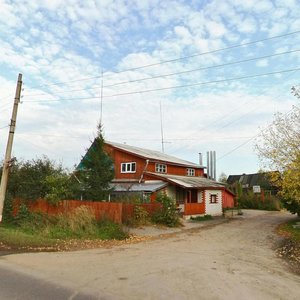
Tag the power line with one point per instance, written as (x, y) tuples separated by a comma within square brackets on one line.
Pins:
[(203, 83), (250, 139), (171, 74), (172, 87), (204, 68), (175, 59), (228, 114)]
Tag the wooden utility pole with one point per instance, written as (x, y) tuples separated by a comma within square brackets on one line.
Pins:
[(7, 159)]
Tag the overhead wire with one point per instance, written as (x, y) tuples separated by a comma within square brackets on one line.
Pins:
[(170, 87), (203, 83), (175, 59), (250, 139), (171, 74), (228, 114), (203, 68)]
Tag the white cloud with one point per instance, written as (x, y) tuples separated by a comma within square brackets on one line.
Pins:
[(69, 40), (262, 63), (215, 30)]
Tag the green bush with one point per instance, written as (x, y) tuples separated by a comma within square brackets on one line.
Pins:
[(140, 216), (251, 201), (8, 210), (202, 218), (167, 215)]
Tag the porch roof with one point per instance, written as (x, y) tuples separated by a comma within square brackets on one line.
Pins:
[(151, 186), (189, 181)]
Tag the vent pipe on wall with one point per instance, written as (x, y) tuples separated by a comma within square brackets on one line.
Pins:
[(200, 159), (207, 165), (215, 167)]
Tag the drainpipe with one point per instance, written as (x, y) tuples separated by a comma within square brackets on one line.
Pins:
[(142, 175)]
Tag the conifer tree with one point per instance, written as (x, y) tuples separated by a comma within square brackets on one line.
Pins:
[(96, 170)]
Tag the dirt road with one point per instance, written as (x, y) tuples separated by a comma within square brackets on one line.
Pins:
[(235, 260)]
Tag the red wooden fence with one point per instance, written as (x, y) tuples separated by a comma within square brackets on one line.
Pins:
[(116, 212), (194, 208)]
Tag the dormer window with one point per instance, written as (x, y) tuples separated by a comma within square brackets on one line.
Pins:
[(190, 172), (160, 168), (129, 167)]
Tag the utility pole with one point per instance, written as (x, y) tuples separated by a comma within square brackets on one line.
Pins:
[(7, 159)]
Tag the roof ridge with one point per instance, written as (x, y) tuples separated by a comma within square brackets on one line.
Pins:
[(153, 154)]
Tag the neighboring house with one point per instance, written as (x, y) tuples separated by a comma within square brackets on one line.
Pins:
[(258, 183), (145, 173)]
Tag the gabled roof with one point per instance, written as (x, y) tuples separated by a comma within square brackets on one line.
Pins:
[(189, 181), (153, 155), (249, 180)]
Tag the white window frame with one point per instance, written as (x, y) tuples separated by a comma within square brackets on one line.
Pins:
[(190, 172), (129, 167), (213, 199), (160, 168)]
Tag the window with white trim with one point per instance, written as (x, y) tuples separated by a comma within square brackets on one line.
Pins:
[(213, 198), (190, 172), (160, 168), (128, 167)]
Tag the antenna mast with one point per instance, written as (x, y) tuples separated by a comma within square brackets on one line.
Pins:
[(161, 128), (101, 98)]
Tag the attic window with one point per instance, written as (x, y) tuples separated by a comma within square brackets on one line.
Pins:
[(160, 168), (129, 167), (190, 172)]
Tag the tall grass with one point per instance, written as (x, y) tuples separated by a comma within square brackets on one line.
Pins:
[(252, 201), (41, 229)]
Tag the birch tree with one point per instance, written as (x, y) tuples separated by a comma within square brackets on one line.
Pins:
[(278, 148)]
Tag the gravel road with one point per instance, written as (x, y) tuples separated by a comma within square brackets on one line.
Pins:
[(233, 260)]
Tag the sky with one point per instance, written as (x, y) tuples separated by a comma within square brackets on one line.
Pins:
[(177, 76)]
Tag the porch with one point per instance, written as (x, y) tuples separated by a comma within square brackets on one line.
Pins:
[(190, 201)]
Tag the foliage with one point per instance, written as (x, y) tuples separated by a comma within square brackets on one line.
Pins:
[(59, 187), (42, 229), (22, 215), (167, 215), (8, 210), (140, 216), (28, 179), (202, 218), (223, 178), (254, 201), (278, 148), (96, 171), (81, 221), (288, 229)]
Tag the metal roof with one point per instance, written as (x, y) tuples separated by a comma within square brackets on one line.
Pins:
[(190, 181), (154, 155), (151, 186), (250, 180)]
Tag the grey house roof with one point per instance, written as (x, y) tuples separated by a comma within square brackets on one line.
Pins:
[(154, 155), (189, 181), (249, 180), (151, 186)]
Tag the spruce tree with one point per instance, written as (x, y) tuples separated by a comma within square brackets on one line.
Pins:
[(96, 170)]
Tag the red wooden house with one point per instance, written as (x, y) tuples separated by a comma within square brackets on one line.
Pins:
[(146, 172)]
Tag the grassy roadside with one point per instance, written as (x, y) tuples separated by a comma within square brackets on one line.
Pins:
[(40, 232), (291, 248)]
